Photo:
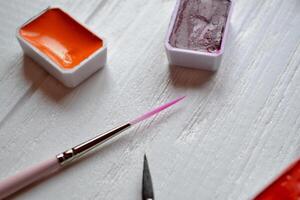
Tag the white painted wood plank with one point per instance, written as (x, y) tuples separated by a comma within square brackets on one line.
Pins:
[(235, 131)]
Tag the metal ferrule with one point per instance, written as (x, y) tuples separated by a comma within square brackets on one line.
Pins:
[(77, 151)]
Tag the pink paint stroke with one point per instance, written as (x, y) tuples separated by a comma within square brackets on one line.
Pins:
[(155, 111)]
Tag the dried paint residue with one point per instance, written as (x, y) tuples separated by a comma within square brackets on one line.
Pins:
[(61, 38), (200, 24)]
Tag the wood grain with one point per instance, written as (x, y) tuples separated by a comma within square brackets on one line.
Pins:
[(237, 129)]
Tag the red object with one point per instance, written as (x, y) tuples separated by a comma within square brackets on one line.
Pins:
[(286, 187)]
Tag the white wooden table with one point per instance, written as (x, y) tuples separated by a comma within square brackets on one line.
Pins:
[(236, 130)]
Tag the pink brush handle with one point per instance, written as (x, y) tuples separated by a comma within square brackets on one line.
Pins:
[(24, 178)]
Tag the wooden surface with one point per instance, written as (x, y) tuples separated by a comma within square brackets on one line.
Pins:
[(236, 130)]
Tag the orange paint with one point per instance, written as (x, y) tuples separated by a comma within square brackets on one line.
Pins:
[(61, 38)]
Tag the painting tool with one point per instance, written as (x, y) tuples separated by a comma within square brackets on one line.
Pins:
[(24, 178), (147, 187)]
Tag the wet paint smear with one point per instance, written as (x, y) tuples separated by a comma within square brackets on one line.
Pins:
[(286, 187), (61, 38), (199, 25)]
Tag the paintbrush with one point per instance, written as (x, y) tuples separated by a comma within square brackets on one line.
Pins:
[(24, 178), (147, 187)]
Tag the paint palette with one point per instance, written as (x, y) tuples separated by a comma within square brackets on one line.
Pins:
[(64, 47), (197, 33)]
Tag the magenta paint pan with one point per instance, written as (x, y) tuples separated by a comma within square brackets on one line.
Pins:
[(197, 33)]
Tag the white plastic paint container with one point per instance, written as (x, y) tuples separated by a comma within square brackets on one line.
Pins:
[(190, 57), (85, 60)]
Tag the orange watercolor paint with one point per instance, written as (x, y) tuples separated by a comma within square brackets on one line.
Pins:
[(61, 38)]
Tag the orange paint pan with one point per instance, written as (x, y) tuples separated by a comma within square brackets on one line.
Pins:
[(61, 45)]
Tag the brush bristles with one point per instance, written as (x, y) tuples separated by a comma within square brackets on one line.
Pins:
[(147, 187), (155, 111)]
